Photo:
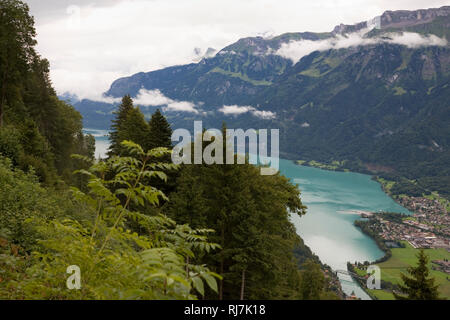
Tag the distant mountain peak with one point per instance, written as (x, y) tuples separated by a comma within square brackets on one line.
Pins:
[(200, 54), (71, 98)]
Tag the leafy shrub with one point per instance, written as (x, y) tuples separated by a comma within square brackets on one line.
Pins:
[(115, 262), (10, 144), (21, 198)]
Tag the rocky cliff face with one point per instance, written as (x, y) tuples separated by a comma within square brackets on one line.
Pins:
[(403, 18), (345, 29), (400, 19)]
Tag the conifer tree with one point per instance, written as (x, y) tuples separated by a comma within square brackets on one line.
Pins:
[(46, 129), (160, 136), (160, 132), (16, 50), (121, 115), (134, 127), (419, 286)]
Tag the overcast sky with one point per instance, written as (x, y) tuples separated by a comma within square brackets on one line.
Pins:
[(90, 43)]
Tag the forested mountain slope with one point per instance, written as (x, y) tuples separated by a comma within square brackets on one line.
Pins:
[(36, 128), (378, 98)]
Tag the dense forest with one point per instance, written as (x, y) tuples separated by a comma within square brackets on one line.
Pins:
[(136, 226), (36, 128)]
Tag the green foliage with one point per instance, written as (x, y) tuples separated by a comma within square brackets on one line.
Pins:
[(36, 128), (419, 286), (115, 262), (312, 281), (251, 214), (160, 134), (23, 198), (104, 226), (10, 144), (16, 50), (121, 127), (130, 125), (135, 128)]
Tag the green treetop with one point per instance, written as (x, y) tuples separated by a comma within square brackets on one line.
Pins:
[(134, 128), (16, 50), (313, 281), (160, 132), (129, 124), (419, 286)]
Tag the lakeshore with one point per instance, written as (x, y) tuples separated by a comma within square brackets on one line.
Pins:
[(398, 262), (400, 237), (335, 200), (426, 225)]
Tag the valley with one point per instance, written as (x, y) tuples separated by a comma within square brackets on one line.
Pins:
[(114, 184), (374, 99), (371, 108)]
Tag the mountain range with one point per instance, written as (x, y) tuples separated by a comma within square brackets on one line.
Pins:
[(373, 96)]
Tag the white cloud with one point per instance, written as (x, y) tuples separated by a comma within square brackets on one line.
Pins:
[(91, 47), (238, 110), (267, 115), (235, 110), (414, 40), (182, 106), (295, 50), (152, 98)]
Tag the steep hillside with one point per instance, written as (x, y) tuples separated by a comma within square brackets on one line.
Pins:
[(384, 104)]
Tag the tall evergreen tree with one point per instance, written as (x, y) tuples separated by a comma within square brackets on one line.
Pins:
[(160, 134), (134, 128), (419, 286), (121, 115), (17, 41)]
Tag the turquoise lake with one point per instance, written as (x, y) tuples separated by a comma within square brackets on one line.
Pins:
[(327, 228), (101, 141)]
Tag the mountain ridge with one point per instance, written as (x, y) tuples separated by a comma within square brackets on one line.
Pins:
[(379, 100), (261, 70)]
